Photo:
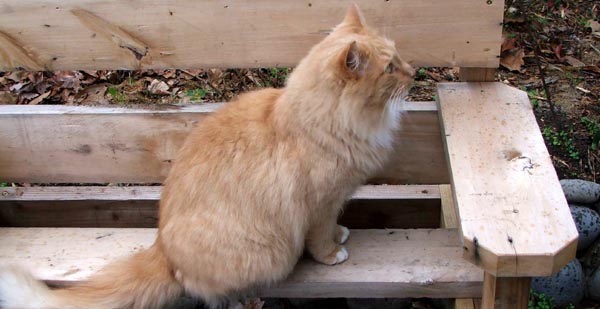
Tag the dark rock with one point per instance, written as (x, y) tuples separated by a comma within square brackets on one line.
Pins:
[(587, 222), (594, 285), (591, 259), (565, 287), (580, 191)]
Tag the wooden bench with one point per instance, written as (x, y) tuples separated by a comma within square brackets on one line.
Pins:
[(502, 220)]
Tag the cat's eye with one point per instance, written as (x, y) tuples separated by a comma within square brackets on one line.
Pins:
[(389, 68)]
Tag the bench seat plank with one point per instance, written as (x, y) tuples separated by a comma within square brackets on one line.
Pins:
[(383, 263), (513, 215)]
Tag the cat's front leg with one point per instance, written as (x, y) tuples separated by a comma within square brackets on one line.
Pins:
[(341, 234), (324, 238)]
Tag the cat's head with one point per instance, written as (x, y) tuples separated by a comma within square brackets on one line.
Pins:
[(354, 67), (366, 60)]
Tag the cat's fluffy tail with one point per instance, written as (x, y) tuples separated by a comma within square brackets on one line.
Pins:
[(143, 280)]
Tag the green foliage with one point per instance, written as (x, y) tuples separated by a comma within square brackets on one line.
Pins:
[(278, 72), (574, 80), (540, 301), (196, 95), (534, 96), (421, 73), (561, 139), (116, 95), (594, 131), (4, 184)]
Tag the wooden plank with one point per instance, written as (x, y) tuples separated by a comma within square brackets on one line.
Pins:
[(513, 215), (449, 219), (95, 34), (477, 74), (75, 144), (370, 207), (464, 303), (382, 263), (152, 193), (505, 293)]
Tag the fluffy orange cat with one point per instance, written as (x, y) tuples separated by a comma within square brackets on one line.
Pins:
[(257, 183)]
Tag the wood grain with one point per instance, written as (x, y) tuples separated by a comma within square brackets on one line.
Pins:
[(95, 34), (463, 303), (477, 74), (152, 193), (370, 207), (75, 144), (449, 218), (505, 293), (513, 215), (382, 263)]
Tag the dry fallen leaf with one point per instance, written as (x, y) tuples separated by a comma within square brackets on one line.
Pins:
[(592, 68), (158, 87), (594, 25), (574, 62), (7, 97), (40, 98), (508, 43), (512, 59)]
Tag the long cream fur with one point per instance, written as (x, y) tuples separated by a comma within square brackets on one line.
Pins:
[(257, 183)]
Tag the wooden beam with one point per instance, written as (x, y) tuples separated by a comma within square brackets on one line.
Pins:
[(65, 206), (76, 144), (464, 303), (477, 74), (449, 219), (382, 263), (152, 193), (505, 293), (95, 34), (513, 216)]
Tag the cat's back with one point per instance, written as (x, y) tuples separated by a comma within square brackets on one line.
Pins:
[(249, 118)]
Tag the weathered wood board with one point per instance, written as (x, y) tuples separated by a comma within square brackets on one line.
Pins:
[(137, 206), (140, 34), (76, 144), (513, 215), (382, 263)]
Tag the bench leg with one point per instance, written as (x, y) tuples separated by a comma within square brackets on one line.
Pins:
[(505, 293), (464, 303)]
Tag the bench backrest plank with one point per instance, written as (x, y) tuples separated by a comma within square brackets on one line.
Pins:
[(95, 34), (75, 144)]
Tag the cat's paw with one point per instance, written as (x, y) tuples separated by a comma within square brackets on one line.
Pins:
[(339, 255), (341, 235)]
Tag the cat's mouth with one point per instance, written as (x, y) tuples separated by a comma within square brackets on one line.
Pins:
[(399, 94)]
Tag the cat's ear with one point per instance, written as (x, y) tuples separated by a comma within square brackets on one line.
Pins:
[(354, 62), (354, 18)]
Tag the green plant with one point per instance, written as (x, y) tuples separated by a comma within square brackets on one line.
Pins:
[(561, 139), (116, 95), (542, 301), (196, 95), (421, 73), (574, 80), (534, 97), (3, 184), (594, 131)]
